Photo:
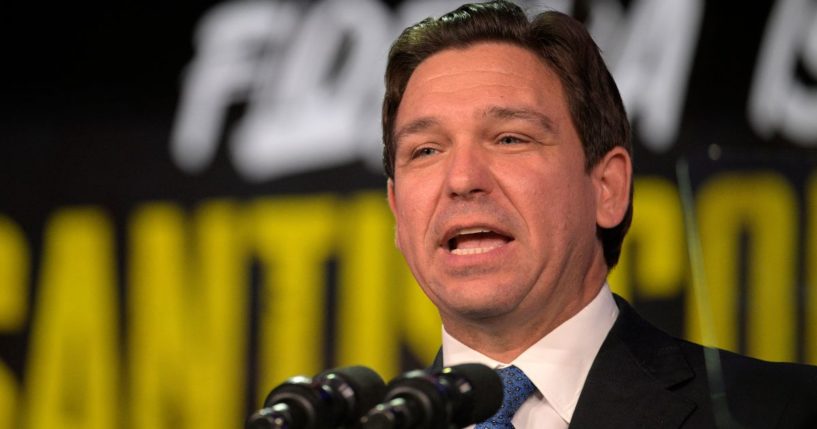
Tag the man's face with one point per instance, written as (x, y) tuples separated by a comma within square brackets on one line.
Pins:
[(495, 212)]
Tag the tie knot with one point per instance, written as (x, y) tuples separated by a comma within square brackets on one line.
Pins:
[(516, 388)]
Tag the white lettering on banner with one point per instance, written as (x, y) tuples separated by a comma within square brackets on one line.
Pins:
[(778, 100), (231, 42), (325, 104), (311, 80), (650, 54), (311, 77)]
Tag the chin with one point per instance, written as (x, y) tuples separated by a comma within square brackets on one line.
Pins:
[(483, 313), (483, 307)]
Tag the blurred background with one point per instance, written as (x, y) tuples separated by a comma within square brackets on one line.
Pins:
[(192, 207)]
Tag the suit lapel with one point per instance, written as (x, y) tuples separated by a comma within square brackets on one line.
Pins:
[(437, 365), (631, 380), (629, 384)]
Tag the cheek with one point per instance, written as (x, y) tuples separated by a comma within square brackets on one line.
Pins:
[(411, 221), (554, 200)]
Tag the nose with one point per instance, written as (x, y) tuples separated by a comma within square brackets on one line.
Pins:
[(469, 173)]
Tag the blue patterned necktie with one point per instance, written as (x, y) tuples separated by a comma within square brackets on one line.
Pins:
[(516, 387)]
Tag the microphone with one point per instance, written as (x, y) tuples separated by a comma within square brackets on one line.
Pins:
[(459, 395), (334, 398)]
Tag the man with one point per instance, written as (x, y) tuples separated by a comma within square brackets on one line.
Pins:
[(508, 154)]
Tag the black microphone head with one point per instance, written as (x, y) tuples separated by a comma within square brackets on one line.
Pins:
[(413, 399), (295, 403), (358, 387), (480, 388), (460, 395), (333, 398)]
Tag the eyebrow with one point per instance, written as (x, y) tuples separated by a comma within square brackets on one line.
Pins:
[(522, 113), (422, 124), (415, 126)]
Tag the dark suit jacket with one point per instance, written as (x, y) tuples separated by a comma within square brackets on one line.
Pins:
[(645, 378)]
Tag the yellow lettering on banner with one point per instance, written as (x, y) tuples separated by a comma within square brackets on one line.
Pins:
[(8, 398), (368, 298), (14, 265), (811, 271), (219, 341), (157, 347), (763, 206), (187, 318), (294, 238), (655, 245), (72, 368)]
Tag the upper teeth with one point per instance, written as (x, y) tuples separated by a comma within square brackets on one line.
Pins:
[(472, 231)]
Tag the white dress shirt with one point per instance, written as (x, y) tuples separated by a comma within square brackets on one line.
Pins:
[(557, 364)]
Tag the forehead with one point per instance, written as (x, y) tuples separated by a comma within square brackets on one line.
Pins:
[(484, 75)]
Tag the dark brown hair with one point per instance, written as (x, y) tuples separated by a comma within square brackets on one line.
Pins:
[(561, 42)]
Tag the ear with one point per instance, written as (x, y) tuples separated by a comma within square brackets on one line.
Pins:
[(612, 178), (393, 207), (390, 192)]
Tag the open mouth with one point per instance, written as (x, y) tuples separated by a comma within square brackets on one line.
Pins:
[(473, 241)]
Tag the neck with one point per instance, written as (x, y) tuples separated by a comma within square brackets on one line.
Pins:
[(505, 337)]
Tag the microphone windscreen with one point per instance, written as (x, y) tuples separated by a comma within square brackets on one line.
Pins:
[(487, 391), (367, 385)]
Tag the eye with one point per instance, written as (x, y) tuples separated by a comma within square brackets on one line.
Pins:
[(510, 139), (423, 152)]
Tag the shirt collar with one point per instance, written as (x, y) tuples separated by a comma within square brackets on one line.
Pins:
[(558, 363)]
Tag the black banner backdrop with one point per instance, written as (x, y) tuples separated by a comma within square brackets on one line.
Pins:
[(192, 210)]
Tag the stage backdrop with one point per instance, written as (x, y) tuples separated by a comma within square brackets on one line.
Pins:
[(192, 207)]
